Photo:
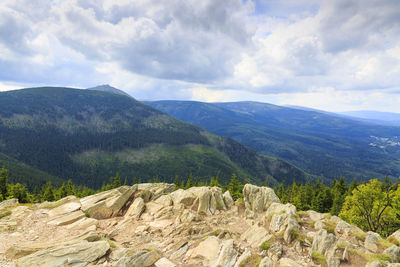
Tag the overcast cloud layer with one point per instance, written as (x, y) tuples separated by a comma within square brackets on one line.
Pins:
[(333, 55)]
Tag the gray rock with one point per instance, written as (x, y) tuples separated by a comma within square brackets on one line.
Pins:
[(242, 257), (266, 262), (107, 204), (275, 251), (258, 199), (283, 220), (164, 262), (136, 209), (323, 242), (394, 253), (228, 199), (67, 218), (256, 235), (8, 202), (375, 264), (80, 253), (228, 255), (141, 259), (371, 240)]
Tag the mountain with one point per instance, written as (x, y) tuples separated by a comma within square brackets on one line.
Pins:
[(377, 117), (320, 143), (109, 89), (89, 135)]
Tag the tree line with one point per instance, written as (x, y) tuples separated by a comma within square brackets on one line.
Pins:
[(373, 206)]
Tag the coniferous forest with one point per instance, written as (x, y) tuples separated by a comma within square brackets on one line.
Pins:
[(373, 206)]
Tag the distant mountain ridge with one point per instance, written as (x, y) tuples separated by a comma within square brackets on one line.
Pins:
[(90, 135), (324, 144), (109, 89)]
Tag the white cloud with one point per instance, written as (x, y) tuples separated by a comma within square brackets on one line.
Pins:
[(209, 49)]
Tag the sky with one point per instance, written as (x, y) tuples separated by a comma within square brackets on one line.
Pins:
[(334, 55)]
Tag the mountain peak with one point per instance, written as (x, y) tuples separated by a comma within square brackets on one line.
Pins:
[(108, 88)]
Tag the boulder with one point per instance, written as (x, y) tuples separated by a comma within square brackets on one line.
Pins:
[(64, 209), (107, 204), (371, 241), (256, 235), (228, 255), (228, 199), (266, 262), (258, 199), (164, 262), (275, 251), (81, 253), (375, 264), (208, 250), (164, 200), (8, 202), (323, 242), (136, 209), (67, 218), (283, 220), (141, 259), (394, 253), (245, 255), (84, 223), (203, 200), (286, 262), (396, 235), (156, 190)]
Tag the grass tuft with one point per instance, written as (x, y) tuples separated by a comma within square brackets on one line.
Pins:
[(5, 214), (319, 258), (329, 227), (251, 261)]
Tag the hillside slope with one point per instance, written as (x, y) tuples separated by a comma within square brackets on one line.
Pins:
[(322, 144), (88, 136)]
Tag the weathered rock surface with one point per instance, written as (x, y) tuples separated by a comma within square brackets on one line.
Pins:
[(148, 225), (283, 220), (258, 199), (394, 253), (107, 204), (8, 202), (76, 254)]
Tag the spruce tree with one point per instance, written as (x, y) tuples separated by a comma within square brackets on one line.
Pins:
[(189, 182), (48, 193), (235, 187), (3, 182), (116, 181)]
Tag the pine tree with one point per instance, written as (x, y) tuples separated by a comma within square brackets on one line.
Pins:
[(235, 187), (70, 188), (3, 182), (177, 182), (116, 181), (189, 182), (352, 186), (48, 193)]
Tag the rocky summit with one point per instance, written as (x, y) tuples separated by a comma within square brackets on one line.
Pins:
[(157, 225)]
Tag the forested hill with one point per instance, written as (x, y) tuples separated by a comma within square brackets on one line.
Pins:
[(320, 143), (88, 136)]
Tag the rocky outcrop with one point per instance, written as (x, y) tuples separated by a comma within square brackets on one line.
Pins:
[(81, 253), (323, 242), (258, 199), (204, 200), (394, 253), (283, 220), (107, 204), (146, 225), (140, 259)]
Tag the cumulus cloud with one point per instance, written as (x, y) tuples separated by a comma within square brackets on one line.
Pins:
[(189, 49)]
